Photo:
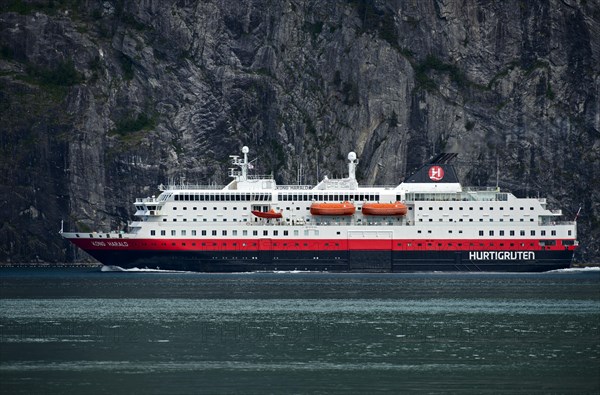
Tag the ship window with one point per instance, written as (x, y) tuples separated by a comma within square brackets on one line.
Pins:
[(193, 233), (172, 233), (520, 208), (430, 208), (214, 232), (471, 208), (501, 208), (569, 233), (480, 208), (285, 233), (470, 219), (152, 233), (295, 233), (512, 232), (481, 233), (531, 208), (491, 232), (441, 208), (553, 233), (522, 233), (174, 208), (501, 233), (203, 233), (224, 233), (183, 232), (254, 233), (420, 208), (162, 233), (164, 220), (533, 232), (174, 219), (185, 208), (531, 220), (214, 208), (234, 232), (265, 232)]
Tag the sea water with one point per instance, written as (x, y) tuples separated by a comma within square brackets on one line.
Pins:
[(73, 331)]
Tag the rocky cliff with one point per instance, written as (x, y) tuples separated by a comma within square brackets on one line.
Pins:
[(102, 101)]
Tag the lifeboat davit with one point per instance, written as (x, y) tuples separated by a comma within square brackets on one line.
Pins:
[(384, 209), (267, 214), (345, 208)]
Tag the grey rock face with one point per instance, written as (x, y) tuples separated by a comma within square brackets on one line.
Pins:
[(101, 102)]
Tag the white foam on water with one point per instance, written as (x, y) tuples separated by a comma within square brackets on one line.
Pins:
[(577, 270), (113, 268)]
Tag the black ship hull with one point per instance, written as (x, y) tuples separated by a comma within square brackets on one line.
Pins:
[(336, 261)]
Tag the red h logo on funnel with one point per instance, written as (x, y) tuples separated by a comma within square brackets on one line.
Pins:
[(436, 173)]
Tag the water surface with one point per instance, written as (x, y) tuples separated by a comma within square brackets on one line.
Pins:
[(81, 330)]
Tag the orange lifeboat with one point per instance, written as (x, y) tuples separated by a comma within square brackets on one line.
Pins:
[(267, 214), (384, 209), (345, 208)]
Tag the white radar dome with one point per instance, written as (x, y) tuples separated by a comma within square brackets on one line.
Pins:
[(245, 150), (352, 156)]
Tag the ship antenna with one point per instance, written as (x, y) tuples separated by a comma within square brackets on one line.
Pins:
[(497, 172), (577, 215)]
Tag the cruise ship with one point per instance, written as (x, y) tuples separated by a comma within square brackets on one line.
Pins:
[(429, 222)]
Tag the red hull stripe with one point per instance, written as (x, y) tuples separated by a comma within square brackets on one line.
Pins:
[(319, 244)]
